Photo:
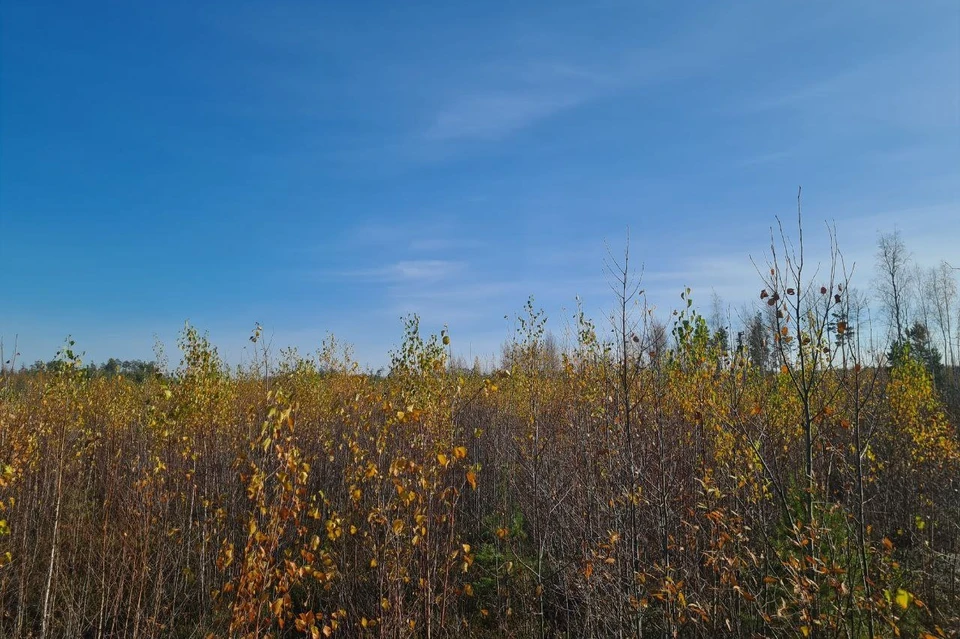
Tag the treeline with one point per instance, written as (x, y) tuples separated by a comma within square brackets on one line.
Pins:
[(658, 480), (135, 370)]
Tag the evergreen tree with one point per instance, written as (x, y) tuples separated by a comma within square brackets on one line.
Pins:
[(917, 346)]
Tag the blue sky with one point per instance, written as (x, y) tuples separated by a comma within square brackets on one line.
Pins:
[(320, 166)]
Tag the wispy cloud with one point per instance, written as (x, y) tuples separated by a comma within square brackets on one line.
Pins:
[(532, 89), (912, 90), (406, 271), (491, 116), (447, 243), (416, 234), (929, 233), (521, 93)]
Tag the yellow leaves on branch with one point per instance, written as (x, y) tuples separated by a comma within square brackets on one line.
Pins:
[(460, 452), (385, 525)]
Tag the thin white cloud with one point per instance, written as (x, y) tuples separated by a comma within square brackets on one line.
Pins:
[(492, 116), (529, 90), (913, 90), (416, 234), (440, 243), (405, 271)]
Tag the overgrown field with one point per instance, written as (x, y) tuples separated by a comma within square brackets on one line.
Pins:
[(622, 487)]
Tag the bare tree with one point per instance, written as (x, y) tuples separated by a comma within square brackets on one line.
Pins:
[(892, 285), (11, 363), (625, 285), (801, 317), (657, 338), (718, 312), (942, 289)]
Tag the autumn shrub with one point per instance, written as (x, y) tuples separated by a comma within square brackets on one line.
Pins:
[(620, 486)]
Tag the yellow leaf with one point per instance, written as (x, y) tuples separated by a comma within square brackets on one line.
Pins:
[(472, 479), (397, 526), (903, 598), (443, 460), (460, 452)]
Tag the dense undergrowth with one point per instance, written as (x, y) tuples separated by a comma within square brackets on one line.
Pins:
[(621, 488)]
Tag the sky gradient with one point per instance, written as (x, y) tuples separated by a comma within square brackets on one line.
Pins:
[(330, 167)]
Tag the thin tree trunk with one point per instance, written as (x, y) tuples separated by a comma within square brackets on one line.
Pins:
[(45, 618)]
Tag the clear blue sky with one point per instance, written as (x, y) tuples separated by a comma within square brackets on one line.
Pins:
[(322, 166)]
